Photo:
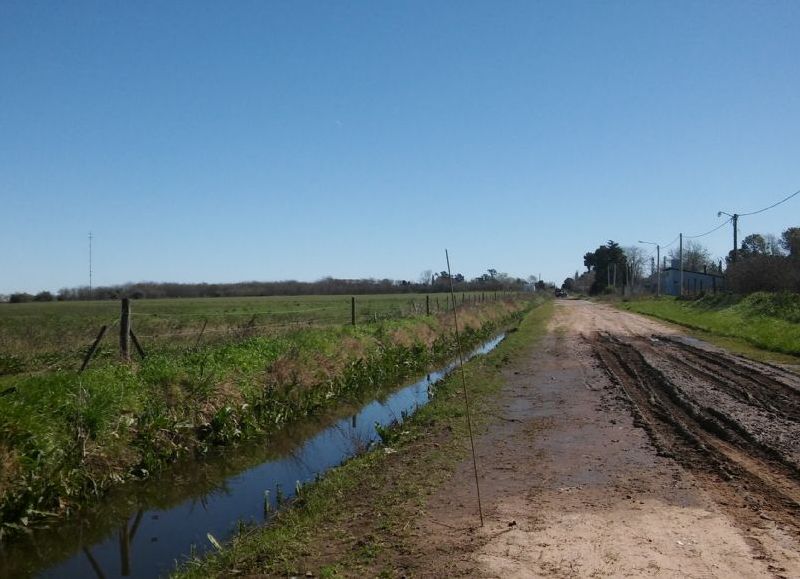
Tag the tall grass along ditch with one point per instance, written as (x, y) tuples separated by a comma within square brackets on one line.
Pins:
[(67, 439), (165, 520)]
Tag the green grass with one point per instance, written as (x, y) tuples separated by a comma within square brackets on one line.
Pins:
[(65, 438), (764, 321), (55, 335), (366, 507)]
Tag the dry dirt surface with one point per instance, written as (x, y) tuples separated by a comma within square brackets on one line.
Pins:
[(623, 449)]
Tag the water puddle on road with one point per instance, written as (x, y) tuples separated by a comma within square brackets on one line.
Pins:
[(142, 529)]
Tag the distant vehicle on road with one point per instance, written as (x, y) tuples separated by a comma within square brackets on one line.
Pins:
[(561, 293)]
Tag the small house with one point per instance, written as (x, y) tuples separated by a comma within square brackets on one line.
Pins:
[(694, 282)]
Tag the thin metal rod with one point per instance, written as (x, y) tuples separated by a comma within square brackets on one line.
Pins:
[(90, 265), (464, 386)]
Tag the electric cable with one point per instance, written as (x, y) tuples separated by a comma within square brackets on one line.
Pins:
[(720, 226), (784, 200)]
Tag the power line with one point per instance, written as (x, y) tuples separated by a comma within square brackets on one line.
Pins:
[(720, 226), (671, 242), (771, 206)]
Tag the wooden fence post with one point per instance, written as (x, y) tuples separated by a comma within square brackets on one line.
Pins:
[(137, 345), (427, 305), (125, 331), (353, 310), (200, 335), (93, 349)]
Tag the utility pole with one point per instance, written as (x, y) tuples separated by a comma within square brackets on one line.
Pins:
[(658, 271), (90, 265), (735, 221), (680, 253), (658, 265)]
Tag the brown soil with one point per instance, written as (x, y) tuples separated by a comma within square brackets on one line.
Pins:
[(622, 448)]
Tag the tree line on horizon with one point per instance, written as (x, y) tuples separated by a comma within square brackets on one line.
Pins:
[(762, 262), (429, 282)]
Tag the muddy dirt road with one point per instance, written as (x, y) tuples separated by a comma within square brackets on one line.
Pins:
[(622, 448)]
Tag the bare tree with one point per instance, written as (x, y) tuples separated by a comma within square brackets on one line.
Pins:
[(695, 256), (636, 260), (773, 244)]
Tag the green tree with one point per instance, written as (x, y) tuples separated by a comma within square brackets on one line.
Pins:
[(606, 261), (753, 244), (790, 241)]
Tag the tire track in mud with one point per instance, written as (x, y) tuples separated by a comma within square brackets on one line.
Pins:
[(773, 392), (752, 481)]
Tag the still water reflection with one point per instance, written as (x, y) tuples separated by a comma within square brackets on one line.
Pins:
[(145, 529)]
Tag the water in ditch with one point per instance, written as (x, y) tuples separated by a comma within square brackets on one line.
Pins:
[(144, 529)]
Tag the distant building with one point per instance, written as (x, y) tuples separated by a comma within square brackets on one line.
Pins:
[(694, 282)]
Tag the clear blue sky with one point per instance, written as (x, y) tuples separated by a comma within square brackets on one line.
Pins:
[(225, 141)]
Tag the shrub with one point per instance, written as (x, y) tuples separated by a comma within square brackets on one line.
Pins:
[(768, 273), (20, 298)]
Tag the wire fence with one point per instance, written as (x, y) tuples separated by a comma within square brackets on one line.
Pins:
[(54, 339)]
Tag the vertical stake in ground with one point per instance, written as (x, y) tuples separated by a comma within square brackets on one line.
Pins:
[(427, 305), (464, 385), (125, 331), (353, 310)]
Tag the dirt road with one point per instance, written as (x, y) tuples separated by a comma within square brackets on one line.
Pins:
[(620, 449)]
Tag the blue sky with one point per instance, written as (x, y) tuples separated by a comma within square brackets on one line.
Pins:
[(211, 141)]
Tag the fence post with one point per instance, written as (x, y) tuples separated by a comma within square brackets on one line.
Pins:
[(427, 305), (137, 345), (93, 349), (125, 331), (353, 310)]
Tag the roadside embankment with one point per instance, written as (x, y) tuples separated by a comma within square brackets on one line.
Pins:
[(357, 518), (66, 438), (766, 321)]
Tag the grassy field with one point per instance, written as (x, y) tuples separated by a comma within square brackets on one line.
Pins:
[(66, 437), (56, 335), (359, 517), (767, 321)]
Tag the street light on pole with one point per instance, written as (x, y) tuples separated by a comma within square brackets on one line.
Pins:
[(658, 265)]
